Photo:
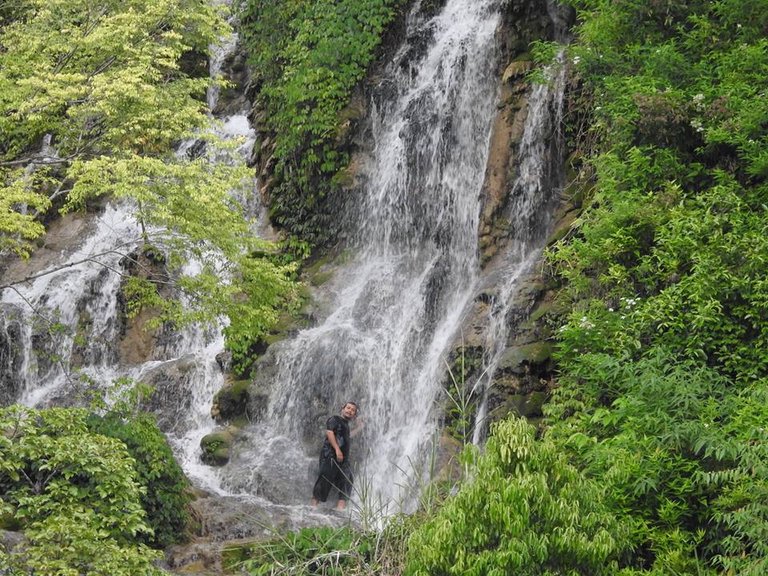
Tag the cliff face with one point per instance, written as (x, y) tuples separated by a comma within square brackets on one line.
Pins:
[(523, 373)]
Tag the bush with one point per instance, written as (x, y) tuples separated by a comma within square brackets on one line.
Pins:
[(75, 494), (525, 510), (308, 56), (664, 355), (166, 494)]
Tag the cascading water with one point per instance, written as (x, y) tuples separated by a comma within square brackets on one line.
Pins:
[(534, 193), (397, 304), (65, 323), (393, 309)]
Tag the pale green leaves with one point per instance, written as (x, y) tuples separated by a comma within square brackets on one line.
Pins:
[(104, 83), (101, 79), (525, 511), (19, 206), (75, 493)]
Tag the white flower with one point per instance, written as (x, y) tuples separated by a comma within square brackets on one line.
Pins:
[(696, 125)]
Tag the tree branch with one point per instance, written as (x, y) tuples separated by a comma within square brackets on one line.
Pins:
[(34, 160)]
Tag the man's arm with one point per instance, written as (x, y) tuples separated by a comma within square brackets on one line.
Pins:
[(335, 445)]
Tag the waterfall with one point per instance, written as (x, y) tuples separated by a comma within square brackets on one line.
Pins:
[(62, 329), (413, 268), (57, 312), (388, 319), (534, 192)]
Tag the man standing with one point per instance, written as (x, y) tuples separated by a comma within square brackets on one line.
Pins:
[(335, 471)]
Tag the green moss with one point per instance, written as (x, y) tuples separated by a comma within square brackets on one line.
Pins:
[(232, 401), (533, 354), (320, 278), (310, 56), (216, 448)]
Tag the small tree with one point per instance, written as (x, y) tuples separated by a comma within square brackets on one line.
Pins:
[(74, 493), (94, 97), (525, 511)]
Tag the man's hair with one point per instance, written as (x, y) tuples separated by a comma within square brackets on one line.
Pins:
[(357, 408)]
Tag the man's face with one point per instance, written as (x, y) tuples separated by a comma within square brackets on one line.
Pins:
[(349, 411)]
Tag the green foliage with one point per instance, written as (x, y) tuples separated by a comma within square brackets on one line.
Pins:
[(324, 550), (264, 288), (99, 80), (524, 510), (669, 439), (308, 57), (461, 393), (75, 494), (663, 355), (327, 550), (165, 496), (104, 83)]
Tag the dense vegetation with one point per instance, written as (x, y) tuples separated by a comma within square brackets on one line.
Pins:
[(654, 456), (308, 55), (91, 494), (659, 419), (94, 97)]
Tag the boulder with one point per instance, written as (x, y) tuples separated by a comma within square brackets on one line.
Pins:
[(519, 359), (231, 402), (216, 447)]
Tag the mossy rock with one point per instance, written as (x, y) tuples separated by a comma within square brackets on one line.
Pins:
[(516, 357), (231, 401), (216, 448), (530, 405), (545, 309), (9, 522), (320, 278), (517, 69), (527, 406)]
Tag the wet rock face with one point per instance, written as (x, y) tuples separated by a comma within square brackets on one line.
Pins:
[(215, 447), (171, 396), (233, 99), (525, 372), (231, 402), (523, 22), (11, 357)]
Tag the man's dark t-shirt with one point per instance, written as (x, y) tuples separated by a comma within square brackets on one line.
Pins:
[(340, 429)]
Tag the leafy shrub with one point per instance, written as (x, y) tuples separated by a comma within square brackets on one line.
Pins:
[(308, 56), (75, 494), (672, 443), (165, 496), (524, 510), (663, 355)]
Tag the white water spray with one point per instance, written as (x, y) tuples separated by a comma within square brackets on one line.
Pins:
[(397, 304)]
